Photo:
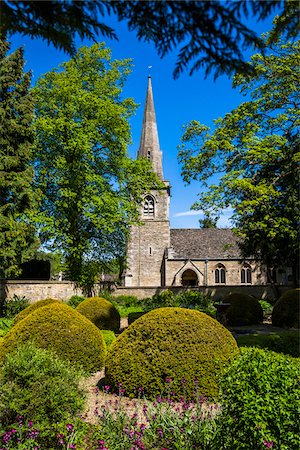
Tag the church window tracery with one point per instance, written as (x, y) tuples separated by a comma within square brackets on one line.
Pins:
[(149, 206), (220, 274), (246, 275)]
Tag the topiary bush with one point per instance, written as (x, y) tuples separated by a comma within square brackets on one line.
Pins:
[(286, 342), (75, 300), (100, 312), (34, 306), (37, 385), (59, 328), (183, 345), (243, 310), (260, 402), (286, 311)]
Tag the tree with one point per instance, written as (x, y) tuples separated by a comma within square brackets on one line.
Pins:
[(208, 221), (255, 151), (18, 200), (211, 34), (91, 187)]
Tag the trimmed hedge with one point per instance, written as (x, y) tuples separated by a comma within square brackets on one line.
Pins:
[(101, 313), (243, 309), (286, 311), (170, 343), (285, 342), (59, 328), (260, 402), (33, 307)]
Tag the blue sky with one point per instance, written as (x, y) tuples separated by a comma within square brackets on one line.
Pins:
[(176, 103)]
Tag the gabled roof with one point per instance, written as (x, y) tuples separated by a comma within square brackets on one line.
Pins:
[(204, 243)]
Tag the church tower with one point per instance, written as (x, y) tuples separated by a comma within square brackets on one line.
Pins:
[(148, 241)]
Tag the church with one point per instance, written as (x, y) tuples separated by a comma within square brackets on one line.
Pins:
[(158, 256)]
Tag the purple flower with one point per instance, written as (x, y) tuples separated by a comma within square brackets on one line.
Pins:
[(69, 426), (106, 389), (269, 444)]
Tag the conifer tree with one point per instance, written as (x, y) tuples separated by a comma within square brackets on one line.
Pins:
[(18, 199)]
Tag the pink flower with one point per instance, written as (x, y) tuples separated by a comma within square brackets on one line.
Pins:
[(269, 444)]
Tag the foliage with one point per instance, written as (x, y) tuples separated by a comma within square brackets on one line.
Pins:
[(133, 316), (189, 299), (5, 326), (259, 400), (59, 328), (33, 307), (75, 300), (255, 147), (209, 35), (266, 307), (174, 343), (101, 313), (208, 221), (38, 386), (13, 306), (124, 300), (161, 424), (91, 187), (286, 342), (286, 311), (109, 337), (243, 310), (18, 199)]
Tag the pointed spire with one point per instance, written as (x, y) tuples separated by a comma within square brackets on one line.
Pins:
[(149, 145)]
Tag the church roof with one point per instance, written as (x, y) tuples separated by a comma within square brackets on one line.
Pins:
[(204, 243)]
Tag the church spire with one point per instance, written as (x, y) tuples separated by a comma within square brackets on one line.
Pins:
[(149, 145)]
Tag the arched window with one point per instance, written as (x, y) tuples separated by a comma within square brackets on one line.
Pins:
[(149, 206), (220, 274), (189, 278), (246, 275)]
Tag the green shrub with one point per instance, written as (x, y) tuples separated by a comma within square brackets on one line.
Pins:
[(286, 342), (33, 307), (59, 328), (109, 337), (266, 307), (14, 305), (175, 343), (134, 316), (125, 300), (100, 312), (5, 326), (75, 300), (38, 385), (259, 398), (243, 309), (197, 299), (286, 311)]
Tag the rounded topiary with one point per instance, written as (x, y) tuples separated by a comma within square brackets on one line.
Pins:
[(101, 312), (33, 307), (59, 328), (243, 310), (170, 349), (286, 310)]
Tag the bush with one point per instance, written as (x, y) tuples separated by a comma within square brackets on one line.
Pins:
[(37, 385), (75, 300), (59, 328), (286, 342), (164, 299), (170, 343), (194, 298), (125, 300), (101, 313), (14, 306), (5, 326), (109, 337), (259, 398), (266, 307), (286, 310), (243, 309), (33, 307), (132, 317)]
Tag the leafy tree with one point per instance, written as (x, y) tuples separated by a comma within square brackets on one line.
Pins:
[(18, 200), (255, 151), (91, 188), (209, 34), (208, 221)]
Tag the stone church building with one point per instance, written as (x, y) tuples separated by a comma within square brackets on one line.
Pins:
[(158, 256)]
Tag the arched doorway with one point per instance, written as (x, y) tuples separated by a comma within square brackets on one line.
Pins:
[(189, 278)]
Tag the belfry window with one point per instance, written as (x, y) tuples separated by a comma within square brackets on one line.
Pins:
[(149, 155), (220, 274), (149, 206), (246, 275)]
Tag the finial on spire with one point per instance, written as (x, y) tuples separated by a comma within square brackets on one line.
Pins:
[(149, 75)]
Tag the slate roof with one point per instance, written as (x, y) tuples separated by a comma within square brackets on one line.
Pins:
[(204, 243)]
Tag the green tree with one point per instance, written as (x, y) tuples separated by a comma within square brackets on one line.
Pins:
[(91, 187), (208, 221), (207, 34), (18, 200), (255, 151)]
